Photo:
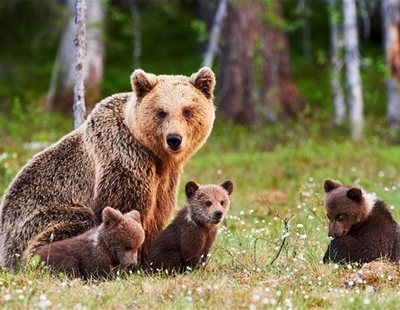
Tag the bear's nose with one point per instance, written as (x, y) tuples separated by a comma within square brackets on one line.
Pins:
[(174, 141), (217, 215), (333, 234)]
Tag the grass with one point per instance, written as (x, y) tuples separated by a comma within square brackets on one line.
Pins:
[(275, 167)]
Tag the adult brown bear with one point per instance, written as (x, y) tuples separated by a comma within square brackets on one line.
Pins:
[(128, 154)]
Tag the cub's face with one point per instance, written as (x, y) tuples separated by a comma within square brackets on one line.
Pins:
[(345, 207), (208, 204), (173, 115), (123, 234)]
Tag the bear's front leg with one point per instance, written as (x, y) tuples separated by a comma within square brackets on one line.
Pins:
[(192, 248), (125, 190), (344, 249)]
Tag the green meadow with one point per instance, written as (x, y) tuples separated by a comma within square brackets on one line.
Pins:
[(269, 249)]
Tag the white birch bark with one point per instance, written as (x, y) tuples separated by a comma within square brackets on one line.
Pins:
[(391, 17), (215, 33), (352, 59), (79, 108), (337, 64)]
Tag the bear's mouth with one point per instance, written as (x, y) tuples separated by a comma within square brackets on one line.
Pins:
[(216, 221), (174, 150)]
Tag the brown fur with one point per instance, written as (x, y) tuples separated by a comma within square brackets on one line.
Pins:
[(362, 226), (185, 243), (119, 157), (110, 247)]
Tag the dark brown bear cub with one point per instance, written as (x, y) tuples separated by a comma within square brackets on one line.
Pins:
[(362, 226), (100, 251), (185, 243)]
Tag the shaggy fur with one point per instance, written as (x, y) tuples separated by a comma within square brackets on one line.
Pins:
[(110, 247), (185, 243), (119, 157), (362, 226)]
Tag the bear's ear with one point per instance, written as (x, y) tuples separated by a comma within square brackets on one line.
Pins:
[(135, 215), (111, 217), (228, 185), (331, 185), (355, 194), (190, 189), (142, 82), (204, 80)]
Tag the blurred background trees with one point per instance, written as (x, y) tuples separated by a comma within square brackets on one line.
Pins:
[(275, 60)]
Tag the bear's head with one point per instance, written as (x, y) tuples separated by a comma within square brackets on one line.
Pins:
[(172, 115), (346, 206), (122, 235), (208, 204)]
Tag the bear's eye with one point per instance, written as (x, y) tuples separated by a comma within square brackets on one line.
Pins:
[(161, 114), (187, 113), (340, 218), (128, 248), (222, 202), (208, 203)]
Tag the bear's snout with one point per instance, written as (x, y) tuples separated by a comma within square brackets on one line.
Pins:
[(336, 234), (332, 234), (217, 216), (174, 141)]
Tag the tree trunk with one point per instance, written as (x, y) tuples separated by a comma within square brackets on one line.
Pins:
[(80, 55), (391, 17), (352, 59), (215, 33), (336, 63), (255, 76)]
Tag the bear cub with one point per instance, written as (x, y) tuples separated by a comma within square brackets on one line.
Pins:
[(362, 226), (185, 243), (101, 251)]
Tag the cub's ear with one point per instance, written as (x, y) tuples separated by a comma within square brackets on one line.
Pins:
[(135, 215), (355, 194), (142, 82), (331, 185), (190, 189), (204, 80), (228, 185), (111, 217)]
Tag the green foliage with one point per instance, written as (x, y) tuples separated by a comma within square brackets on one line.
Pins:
[(200, 27)]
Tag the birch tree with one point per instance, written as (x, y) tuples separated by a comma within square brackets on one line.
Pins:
[(391, 17), (215, 33), (336, 63), (352, 59), (79, 108)]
